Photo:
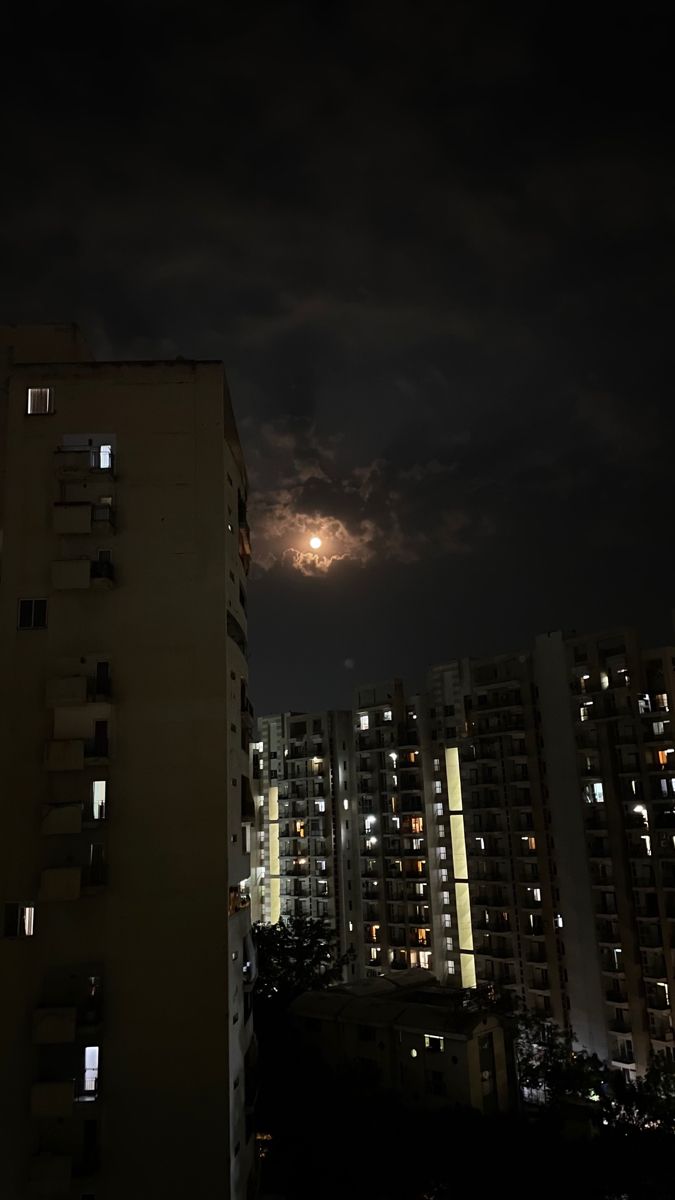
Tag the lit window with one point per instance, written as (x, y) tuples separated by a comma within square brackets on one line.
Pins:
[(435, 1044), (594, 793), (648, 842), (351, 926), (40, 401), (363, 721), (661, 701), (663, 758), (438, 810), (658, 727), (437, 764), (442, 853), (413, 1054), (604, 680), (536, 892), (558, 921), (19, 920), (98, 797), (90, 1070), (32, 614), (438, 786), (425, 959), (345, 803), (451, 966), (447, 923), (532, 843), (387, 714), (417, 824)]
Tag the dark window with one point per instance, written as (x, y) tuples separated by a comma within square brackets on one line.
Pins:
[(103, 678), (235, 631), (449, 710), (366, 1033), (436, 1083), (32, 614)]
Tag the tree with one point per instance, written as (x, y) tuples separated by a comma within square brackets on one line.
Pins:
[(297, 955), (549, 1066), (645, 1103)]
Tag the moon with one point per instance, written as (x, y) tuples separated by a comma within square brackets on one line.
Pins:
[(315, 542)]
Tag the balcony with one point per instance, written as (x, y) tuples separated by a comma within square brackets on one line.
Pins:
[(102, 575), (82, 517), (79, 462), (618, 1025)]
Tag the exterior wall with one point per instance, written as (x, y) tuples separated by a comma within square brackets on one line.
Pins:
[(137, 901), (573, 867), (411, 1048)]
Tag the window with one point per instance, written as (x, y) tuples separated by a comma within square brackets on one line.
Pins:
[(105, 457), (436, 1083), (363, 721), (98, 797), (40, 401), (437, 764), (90, 1070), (32, 614), (19, 920), (438, 787), (451, 966), (433, 1043), (388, 716)]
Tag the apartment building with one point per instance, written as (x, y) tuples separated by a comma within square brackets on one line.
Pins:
[(559, 779), (488, 769), (304, 777), (125, 808), (605, 706), (402, 889)]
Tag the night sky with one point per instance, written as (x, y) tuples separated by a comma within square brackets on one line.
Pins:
[(433, 246)]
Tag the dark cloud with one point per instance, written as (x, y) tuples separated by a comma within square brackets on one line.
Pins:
[(433, 244)]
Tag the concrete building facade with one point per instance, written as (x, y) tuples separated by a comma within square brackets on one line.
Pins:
[(304, 778), (403, 1032), (125, 806)]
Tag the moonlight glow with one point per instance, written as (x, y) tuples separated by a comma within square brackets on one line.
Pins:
[(315, 542)]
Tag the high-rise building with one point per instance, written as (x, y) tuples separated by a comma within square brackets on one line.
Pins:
[(304, 774), (560, 782), (125, 807), (402, 887)]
